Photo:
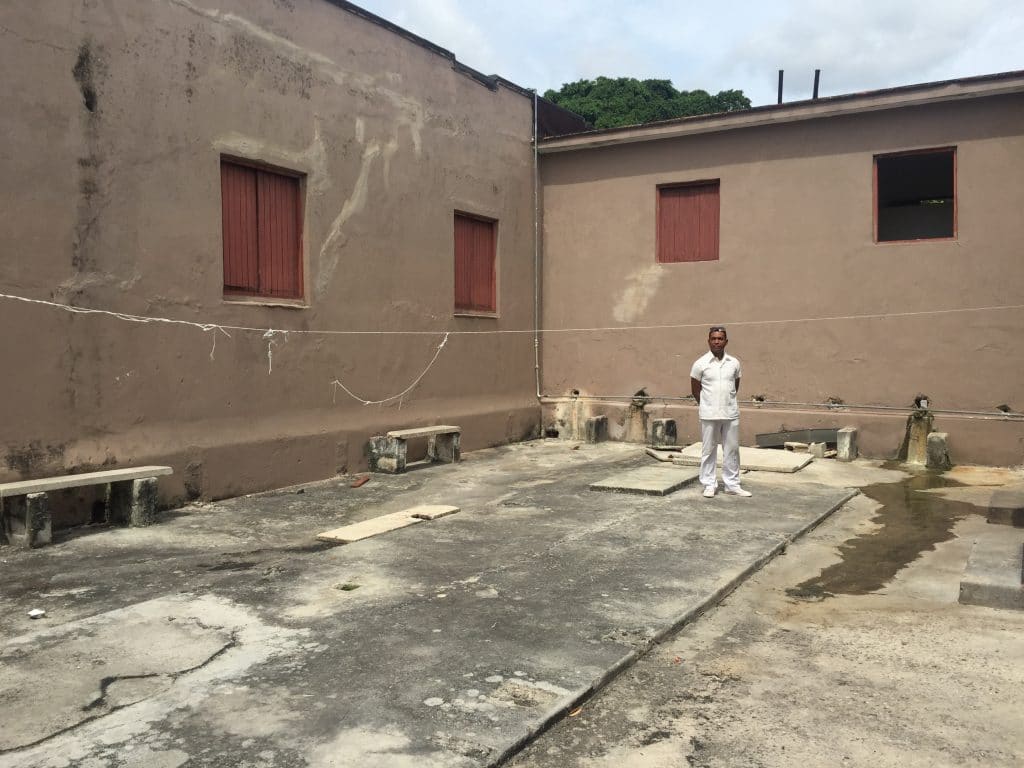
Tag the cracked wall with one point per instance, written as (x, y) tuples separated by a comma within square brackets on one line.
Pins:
[(111, 182)]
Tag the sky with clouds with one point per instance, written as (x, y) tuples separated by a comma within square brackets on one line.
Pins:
[(723, 44)]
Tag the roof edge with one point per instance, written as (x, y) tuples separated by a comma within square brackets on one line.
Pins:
[(491, 82), (808, 109)]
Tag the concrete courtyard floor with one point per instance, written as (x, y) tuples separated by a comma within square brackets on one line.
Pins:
[(229, 636)]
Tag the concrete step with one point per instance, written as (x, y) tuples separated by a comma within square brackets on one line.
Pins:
[(1007, 507), (994, 576)]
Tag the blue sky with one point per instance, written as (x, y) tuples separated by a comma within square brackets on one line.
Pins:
[(720, 45)]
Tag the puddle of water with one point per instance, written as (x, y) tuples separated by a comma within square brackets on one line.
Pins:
[(910, 523)]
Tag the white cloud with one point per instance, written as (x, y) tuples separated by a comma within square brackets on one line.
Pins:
[(729, 44)]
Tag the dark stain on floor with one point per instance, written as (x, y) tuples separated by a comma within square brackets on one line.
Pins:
[(911, 523)]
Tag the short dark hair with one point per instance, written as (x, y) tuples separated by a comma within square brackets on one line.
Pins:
[(718, 329)]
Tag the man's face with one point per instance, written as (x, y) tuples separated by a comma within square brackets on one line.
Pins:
[(717, 342)]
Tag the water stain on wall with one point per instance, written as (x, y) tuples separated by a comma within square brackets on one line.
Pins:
[(33, 458), (640, 289)]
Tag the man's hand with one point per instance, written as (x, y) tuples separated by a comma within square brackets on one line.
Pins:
[(695, 389)]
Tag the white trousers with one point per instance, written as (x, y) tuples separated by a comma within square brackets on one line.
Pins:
[(724, 432)]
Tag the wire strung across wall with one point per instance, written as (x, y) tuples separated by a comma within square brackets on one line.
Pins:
[(270, 335)]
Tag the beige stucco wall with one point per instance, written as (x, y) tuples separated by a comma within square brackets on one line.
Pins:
[(796, 246), (118, 208)]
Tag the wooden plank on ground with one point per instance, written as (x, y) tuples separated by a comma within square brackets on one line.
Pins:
[(372, 527), (385, 523), (432, 511)]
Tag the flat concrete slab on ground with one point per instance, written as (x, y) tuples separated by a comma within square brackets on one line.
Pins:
[(995, 570), (436, 645), (648, 481), (758, 459)]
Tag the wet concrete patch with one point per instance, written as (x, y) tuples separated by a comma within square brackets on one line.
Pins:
[(909, 523)]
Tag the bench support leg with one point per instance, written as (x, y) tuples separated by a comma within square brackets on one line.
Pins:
[(132, 502), (26, 520), (444, 448), (387, 454)]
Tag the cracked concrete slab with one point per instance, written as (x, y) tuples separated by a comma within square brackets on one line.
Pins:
[(104, 679), (126, 656), (446, 644)]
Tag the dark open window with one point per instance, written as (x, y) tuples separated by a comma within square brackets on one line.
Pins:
[(915, 195), (262, 225), (475, 242), (688, 222)]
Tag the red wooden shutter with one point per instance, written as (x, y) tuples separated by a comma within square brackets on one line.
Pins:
[(278, 226), (238, 207), (688, 223), (475, 247), (262, 224)]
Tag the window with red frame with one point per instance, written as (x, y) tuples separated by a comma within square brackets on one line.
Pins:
[(262, 225), (475, 251), (688, 222)]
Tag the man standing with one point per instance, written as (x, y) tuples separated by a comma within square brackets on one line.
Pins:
[(714, 382)]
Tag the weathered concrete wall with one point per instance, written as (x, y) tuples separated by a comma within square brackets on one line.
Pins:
[(797, 244), (116, 115)]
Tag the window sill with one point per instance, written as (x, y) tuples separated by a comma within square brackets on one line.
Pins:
[(465, 313), (267, 301), (918, 240)]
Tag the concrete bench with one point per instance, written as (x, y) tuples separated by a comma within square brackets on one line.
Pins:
[(25, 514), (388, 452)]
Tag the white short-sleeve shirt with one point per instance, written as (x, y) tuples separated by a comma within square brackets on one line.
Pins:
[(717, 386)]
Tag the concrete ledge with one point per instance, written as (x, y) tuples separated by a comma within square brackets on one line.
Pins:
[(993, 574)]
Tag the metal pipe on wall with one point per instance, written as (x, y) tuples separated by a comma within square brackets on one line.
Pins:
[(625, 399), (536, 250)]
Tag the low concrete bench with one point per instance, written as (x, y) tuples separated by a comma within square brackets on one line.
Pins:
[(388, 452), (25, 514)]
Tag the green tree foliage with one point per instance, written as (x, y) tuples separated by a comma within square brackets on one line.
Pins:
[(610, 102)]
